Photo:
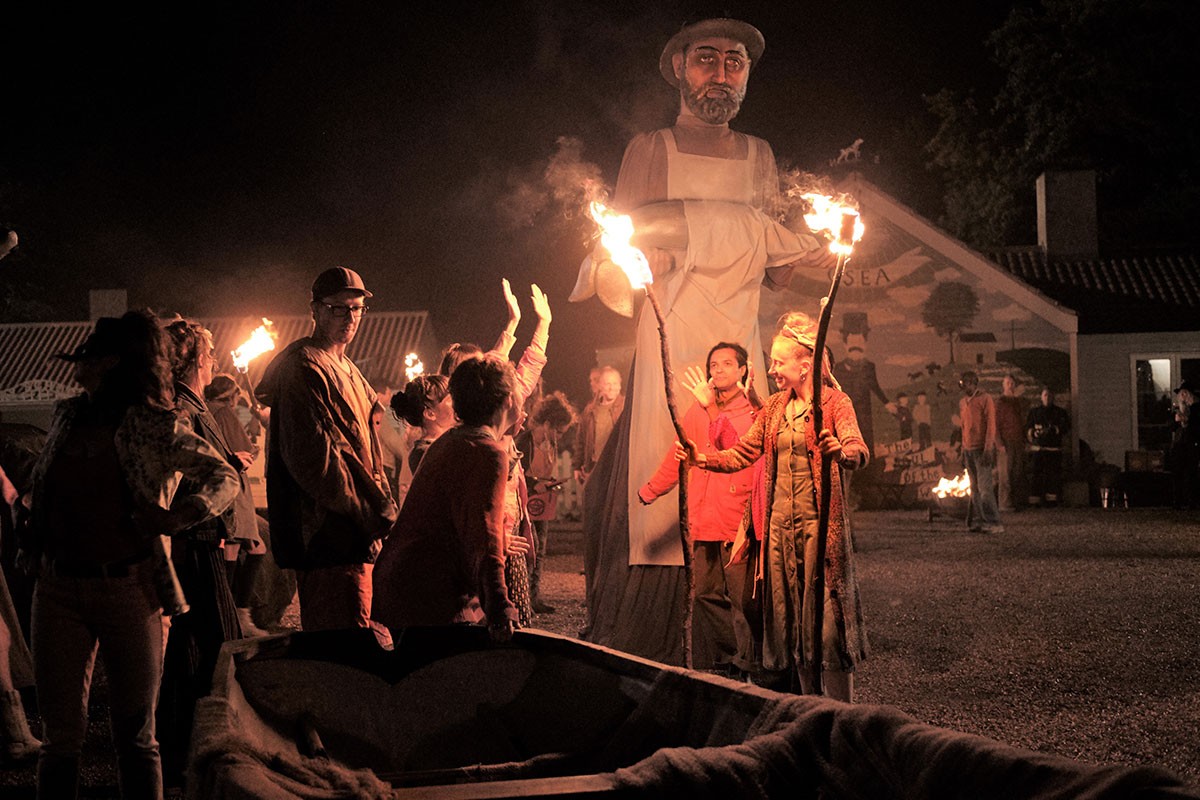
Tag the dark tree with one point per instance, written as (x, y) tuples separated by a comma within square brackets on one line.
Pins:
[(950, 309), (1088, 84)]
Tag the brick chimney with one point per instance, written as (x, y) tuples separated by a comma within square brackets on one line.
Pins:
[(107, 303), (1066, 214)]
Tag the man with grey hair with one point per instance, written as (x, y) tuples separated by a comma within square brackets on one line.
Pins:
[(703, 200)]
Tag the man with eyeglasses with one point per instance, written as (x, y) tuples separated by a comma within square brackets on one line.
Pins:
[(702, 198), (328, 498)]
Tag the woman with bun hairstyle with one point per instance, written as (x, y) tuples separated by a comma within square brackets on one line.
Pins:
[(425, 403)]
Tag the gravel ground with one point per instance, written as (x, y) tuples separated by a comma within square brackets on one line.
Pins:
[(1075, 632)]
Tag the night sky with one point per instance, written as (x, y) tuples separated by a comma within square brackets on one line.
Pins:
[(213, 159)]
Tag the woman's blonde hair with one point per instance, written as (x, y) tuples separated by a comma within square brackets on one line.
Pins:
[(800, 329)]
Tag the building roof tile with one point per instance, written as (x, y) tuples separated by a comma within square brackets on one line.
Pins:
[(1115, 294), (29, 372)]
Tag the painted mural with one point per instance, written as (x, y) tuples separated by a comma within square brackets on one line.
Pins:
[(908, 322)]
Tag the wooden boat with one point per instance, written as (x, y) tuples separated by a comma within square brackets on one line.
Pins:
[(446, 714)]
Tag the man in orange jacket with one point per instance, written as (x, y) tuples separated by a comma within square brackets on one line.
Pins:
[(724, 410)]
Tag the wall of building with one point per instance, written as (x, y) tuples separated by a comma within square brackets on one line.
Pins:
[(1106, 415), (899, 312)]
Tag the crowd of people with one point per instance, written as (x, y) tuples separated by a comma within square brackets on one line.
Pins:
[(1013, 453), (138, 521), (430, 503), (444, 524)]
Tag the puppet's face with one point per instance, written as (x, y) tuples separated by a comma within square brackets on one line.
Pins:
[(712, 78)]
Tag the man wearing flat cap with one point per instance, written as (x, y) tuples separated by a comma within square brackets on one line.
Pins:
[(327, 495), (700, 196)]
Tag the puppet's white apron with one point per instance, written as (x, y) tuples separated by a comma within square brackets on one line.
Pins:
[(711, 296)]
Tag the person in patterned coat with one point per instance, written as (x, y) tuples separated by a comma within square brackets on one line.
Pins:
[(783, 518)]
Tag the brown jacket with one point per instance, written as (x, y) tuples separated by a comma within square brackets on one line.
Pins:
[(327, 496)]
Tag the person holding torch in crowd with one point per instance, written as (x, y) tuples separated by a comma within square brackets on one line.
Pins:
[(784, 518)]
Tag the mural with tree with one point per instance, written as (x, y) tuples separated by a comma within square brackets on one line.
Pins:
[(950, 309)]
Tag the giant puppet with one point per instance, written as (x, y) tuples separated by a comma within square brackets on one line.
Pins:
[(702, 198)]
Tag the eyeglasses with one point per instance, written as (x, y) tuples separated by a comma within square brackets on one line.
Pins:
[(345, 311)]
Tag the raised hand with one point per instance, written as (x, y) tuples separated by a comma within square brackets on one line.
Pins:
[(701, 387), (541, 305), (514, 309)]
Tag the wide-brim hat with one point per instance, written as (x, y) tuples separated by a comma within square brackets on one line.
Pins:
[(855, 322), (1186, 386), (737, 30), (105, 340), (338, 279)]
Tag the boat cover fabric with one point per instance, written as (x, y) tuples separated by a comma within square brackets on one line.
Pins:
[(801, 747), (703, 737)]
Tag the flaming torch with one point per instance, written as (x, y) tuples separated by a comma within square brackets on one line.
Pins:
[(261, 341), (616, 230), (844, 227), (413, 368)]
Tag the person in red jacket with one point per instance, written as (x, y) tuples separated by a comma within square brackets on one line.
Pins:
[(443, 562), (724, 411)]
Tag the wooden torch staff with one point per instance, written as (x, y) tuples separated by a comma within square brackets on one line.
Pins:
[(685, 537), (244, 374), (846, 237)]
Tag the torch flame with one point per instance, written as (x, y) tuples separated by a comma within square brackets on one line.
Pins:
[(954, 487), (840, 222), (413, 368), (615, 232), (262, 340)]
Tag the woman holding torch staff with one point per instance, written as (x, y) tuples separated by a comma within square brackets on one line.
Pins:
[(783, 510)]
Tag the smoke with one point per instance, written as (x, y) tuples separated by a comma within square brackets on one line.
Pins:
[(573, 182), (794, 184), (560, 190)]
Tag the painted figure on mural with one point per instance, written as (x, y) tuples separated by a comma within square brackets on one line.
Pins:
[(904, 416), (856, 374), (922, 414), (701, 197)]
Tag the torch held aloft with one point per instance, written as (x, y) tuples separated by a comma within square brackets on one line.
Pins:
[(818, 378)]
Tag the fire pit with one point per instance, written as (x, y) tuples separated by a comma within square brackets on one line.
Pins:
[(951, 497)]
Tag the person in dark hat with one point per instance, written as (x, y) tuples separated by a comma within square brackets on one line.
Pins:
[(1185, 394), (119, 470), (702, 198), (856, 374), (328, 497)]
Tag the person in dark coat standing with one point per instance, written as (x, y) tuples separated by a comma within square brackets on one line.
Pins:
[(196, 636), (327, 495), (1046, 429)]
